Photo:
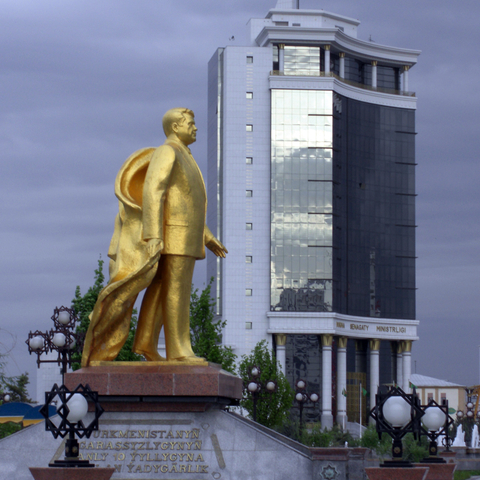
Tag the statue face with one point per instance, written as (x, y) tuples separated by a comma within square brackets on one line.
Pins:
[(186, 131)]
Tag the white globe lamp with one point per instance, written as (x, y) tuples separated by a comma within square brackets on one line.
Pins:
[(396, 412), (78, 406)]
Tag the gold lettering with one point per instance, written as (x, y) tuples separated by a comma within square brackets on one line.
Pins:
[(141, 433), (195, 433), (199, 458), (113, 433), (153, 434), (340, 325), (174, 468), (130, 466), (188, 444), (96, 434), (118, 468), (90, 446), (109, 446), (99, 446), (170, 435), (147, 467), (203, 468), (138, 469), (132, 434), (164, 468), (122, 434), (198, 445), (179, 434), (82, 445), (183, 468), (156, 467), (189, 457)]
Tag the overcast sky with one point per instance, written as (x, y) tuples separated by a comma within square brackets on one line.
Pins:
[(83, 84)]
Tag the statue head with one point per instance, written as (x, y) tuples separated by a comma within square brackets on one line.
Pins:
[(175, 115)]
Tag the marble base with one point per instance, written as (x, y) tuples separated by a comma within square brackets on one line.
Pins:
[(439, 471), (379, 473), (48, 473), (159, 386)]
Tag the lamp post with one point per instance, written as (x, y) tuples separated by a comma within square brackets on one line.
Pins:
[(396, 413), (62, 339), (302, 397), (253, 386), (435, 422), (72, 411)]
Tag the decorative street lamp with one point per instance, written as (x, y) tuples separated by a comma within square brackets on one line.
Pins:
[(435, 422), (396, 413), (301, 397), (72, 411), (253, 386), (6, 397), (62, 339)]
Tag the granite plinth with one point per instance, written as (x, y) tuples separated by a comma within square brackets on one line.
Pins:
[(439, 471), (159, 387), (47, 473), (379, 473)]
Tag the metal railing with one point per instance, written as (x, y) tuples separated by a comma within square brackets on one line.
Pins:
[(390, 91)]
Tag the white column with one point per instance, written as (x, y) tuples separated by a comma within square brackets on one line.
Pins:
[(281, 57), (327, 417), (407, 365), (281, 340), (405, 78), (399, 365), (374, 74), (327, 59), (342, 65), (342, 382), (374, 369)]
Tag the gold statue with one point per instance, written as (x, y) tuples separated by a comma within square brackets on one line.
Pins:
[(159, 232)]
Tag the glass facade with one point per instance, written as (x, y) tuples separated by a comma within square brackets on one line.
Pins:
[(342, 205), (301, 200), (301, 60)]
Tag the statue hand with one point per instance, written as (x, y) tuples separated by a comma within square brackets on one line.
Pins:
[(217, 248), (154, 245)]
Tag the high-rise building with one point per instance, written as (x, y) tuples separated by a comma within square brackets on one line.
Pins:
[(311, 186)]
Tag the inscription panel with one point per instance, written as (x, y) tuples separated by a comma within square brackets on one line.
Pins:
[(149, 448)]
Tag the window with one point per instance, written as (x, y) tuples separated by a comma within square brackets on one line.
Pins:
[(248, 259), (249, 193), (249, 94), (249, 59), (249, 128), (429, 397), (248, 325), (249, 160), (248, 292), (249, 226)]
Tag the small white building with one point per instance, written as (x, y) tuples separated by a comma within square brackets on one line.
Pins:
[(439, 390)]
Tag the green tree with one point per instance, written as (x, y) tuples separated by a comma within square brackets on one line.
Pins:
[(206, 333), (17, 388), (272, 408), (83, 305)]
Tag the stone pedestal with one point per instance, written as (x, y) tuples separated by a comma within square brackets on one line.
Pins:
[(439, 471), (381, 473), (159, 386), (71, 473)]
